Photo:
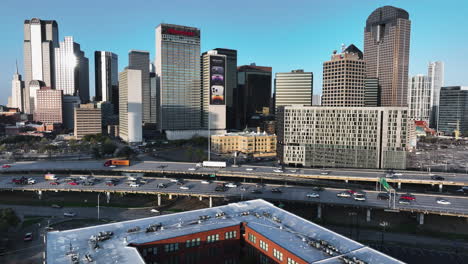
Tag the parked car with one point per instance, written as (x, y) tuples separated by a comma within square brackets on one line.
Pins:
[(443, 201), (343, 194), (69, 214), (28, 237), (437, 178), (313, 195), (383, 196)]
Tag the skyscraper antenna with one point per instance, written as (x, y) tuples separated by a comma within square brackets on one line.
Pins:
[(16, 66)]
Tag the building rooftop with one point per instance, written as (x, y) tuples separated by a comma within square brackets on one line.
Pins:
[(306, 240), (245, 134)]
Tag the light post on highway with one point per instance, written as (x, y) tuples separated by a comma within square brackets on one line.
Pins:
[(98, 216)]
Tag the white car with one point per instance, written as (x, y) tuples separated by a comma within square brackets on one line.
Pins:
[(231, 185), (343, 194), (134, 185), (205, 182), (192, 169), (397, 174), (293, 171), (324, 173), (443, 201), (359, 197), (313, 195), (112, 166), (173, 180), (69, 214), (31, 181), (249, 169), (184, 187), (278, 170), (154, 211)]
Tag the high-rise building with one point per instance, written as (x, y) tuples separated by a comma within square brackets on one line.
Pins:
[(69, 104), (353, 137), (453, 110), (386, 53), (139, 60), (436, 79), (371, 92), (130, 109), (253, 94), (34, 86), (40, 39), (17, 91), (178, 73), (72, 69), (343, 78), (317, 99), (419, 98), (48, 108), (87, 120), (106, 76), (295, 87), (231, 84), (214, 95)]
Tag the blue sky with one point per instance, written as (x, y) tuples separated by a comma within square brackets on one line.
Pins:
[(286, 35)]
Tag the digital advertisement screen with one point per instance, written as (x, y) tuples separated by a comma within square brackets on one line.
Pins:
[(217, 80)]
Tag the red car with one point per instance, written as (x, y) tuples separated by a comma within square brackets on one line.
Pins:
[(73, 183), (28, 237), (351, 191), (54, 183), (6, 166), (408, 197), (110, 184)]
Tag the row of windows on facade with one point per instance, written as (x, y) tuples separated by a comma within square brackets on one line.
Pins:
[(263, 245)]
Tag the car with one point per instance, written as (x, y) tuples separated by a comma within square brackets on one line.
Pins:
[(31, 181), (134, 185), (184, 187), (112, 166), (242, 188), (6, 166), (205, 182), (154, 211), (403, 201), (69, 214), (54, 183), (162, 185), (56, 206), (398, 174), (408, 197), (192, 169), (351, 192), (383, 196), (28, 237), (437, 178), (73, 183), (317, 188), (180, 182), (278, 170), (110, 183), (276, 190), (443, 201), (249, 169), (359, 197), (343, 194), (220, 188), (389, 175), (256, 191), (173, 180), (88, 183), (313, 195), (293, 171), (324, 173), (231, 185)]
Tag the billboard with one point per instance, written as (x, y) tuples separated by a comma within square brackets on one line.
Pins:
[(181, 31), (217, 80)]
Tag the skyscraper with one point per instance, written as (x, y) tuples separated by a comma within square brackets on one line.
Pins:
[(343, 78), (419, 98), (139, 60), (292, 88), (436, 79), (178, 73), (17, 91), (130, 109), (48, 108), (231, 84), (106, 76), (453, 110), (386, 53), (72, 69), (40, 39), (88, 120)]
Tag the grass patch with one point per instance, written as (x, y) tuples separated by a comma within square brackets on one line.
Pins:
[(174, 210)]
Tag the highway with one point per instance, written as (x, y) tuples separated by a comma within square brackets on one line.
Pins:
[(413, 177), (424, 203)]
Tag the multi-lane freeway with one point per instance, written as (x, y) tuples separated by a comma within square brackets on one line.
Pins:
[(245, 171), (424, 203)]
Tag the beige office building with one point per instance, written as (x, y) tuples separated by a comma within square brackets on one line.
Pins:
[(244, 142), (48, 106), (352, 137), (88, 120), (343, 78)]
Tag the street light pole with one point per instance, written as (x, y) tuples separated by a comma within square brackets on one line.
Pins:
[(98, 216)]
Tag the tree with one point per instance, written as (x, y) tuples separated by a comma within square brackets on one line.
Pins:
[(126, 151), (8, 219), (108, 148), (189, 152), (96, 153)]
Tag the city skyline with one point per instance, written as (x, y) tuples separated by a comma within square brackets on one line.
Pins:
[(301, 50)]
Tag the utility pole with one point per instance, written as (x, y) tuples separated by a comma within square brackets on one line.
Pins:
[(98, 216)]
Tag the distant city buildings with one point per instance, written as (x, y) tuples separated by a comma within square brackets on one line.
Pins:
[(252, 143), (386, 53), (419, 98), (69, 104), (106, 76), (17, 91), (353, 137), (48, 108), (139, 60), (231, 85), (34, 86), (295, 87), (343, 78), (316, 99), (130, 109), (453, 110), (436, 78), (88, 120)]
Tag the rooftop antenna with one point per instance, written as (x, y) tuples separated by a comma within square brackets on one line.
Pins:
[(16, 67), (343, 47)]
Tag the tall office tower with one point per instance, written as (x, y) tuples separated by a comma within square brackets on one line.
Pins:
[(88, 120), (386, 53), (214, 97), (17, 91), (254, 93), (48, 109), (130, 108), (72, 69), (371, 92), (343, 78), (317, 99), (34, 86), (154, 96), (40, 39), (436, 79), (419, 98), (178, 72), (453, 110), (292, 88), (106, 76), (318, 136), (139, 60), (231, 84), (69, 104)]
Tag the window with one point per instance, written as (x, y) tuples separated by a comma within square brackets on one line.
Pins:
[(291, 261), (252, 238), (231, 234), (212, 238), (277, 254), (171, 247), (263, 245)]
